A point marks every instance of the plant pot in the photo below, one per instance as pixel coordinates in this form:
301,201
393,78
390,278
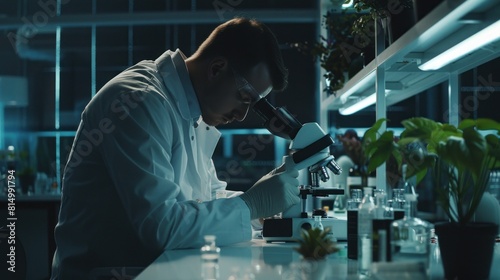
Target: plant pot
313,269
466,250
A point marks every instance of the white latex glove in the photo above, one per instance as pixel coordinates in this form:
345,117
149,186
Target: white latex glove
273,193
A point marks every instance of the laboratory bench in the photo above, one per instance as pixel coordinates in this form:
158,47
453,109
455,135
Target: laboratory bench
258,259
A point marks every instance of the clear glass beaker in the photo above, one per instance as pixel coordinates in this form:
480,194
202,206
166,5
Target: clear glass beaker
411,237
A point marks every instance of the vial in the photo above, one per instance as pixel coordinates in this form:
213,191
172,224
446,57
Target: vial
317,223
210,259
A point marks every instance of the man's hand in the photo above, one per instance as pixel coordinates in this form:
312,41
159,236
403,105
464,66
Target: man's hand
273,193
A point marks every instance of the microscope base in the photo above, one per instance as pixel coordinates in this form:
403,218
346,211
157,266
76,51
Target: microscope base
289,229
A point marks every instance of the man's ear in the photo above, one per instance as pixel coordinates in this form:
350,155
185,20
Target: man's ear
217,66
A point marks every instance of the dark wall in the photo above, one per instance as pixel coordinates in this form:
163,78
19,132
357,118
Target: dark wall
118,47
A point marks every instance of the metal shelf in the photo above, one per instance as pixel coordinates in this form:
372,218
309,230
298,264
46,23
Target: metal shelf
449,23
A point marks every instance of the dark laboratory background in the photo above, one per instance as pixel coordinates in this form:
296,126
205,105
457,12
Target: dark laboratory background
63,69
121,43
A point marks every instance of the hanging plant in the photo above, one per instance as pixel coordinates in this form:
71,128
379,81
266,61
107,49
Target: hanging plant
376,9
334,50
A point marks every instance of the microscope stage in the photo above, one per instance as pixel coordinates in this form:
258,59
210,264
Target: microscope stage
289,229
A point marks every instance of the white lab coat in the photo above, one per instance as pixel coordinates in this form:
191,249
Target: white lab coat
140,178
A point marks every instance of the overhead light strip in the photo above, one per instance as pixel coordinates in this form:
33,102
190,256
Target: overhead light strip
360,104
482,38
365,81
363,103
348,4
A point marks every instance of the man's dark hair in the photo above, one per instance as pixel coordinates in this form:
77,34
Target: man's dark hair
245,43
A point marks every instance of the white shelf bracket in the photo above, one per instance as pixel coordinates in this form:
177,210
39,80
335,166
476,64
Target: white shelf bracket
453,99
380,104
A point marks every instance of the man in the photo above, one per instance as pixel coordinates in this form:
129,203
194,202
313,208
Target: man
140,179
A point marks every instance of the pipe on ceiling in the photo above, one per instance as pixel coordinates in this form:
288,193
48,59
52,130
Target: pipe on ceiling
41,22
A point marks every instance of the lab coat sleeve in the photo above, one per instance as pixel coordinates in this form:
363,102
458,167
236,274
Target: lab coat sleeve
218,185
137,154
215,183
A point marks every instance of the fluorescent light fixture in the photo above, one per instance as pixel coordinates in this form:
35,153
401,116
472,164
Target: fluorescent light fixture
474,42
347,4
363,103
359,85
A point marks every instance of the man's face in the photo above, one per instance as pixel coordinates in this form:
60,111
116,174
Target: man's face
229,95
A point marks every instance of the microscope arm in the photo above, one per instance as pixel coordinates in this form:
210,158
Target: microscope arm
311,145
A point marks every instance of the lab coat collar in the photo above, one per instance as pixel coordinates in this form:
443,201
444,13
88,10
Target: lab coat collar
173,63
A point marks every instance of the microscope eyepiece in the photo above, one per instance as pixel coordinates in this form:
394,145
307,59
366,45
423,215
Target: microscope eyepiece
277,119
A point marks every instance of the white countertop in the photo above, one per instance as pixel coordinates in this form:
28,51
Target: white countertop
257,259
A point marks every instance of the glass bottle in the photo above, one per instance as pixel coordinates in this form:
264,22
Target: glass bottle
382,210
210,258
398,203
411,236
352,224
376,193
317,222
365,220
383,218
353,178
407,185
339,203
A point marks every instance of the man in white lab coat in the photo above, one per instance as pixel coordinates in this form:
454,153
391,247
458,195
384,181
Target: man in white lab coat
140,178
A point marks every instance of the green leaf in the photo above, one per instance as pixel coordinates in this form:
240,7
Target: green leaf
408,140
451,129
380,150
371,133
467,152
419,127
385,139
420,175
442,134
466,123
481,124
419,169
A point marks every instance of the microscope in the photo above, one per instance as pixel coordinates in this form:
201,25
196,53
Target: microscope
310,147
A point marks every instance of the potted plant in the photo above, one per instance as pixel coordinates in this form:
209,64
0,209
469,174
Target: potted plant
355,148
314,246
462,158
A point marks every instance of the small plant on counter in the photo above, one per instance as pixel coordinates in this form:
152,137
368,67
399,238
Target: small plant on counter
316,244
